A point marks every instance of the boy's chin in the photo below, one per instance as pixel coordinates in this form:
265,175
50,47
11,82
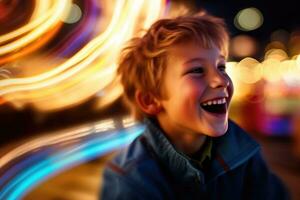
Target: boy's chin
219,130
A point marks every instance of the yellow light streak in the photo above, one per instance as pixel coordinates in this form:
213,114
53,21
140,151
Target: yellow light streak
81,55
109,94
153,12
40,9
40,15
111,42
92,68
41,41
58,10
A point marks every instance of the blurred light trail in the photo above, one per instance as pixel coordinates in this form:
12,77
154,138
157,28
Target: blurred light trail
4,73
39,15
51,159
61,137
92,68
33,31
8,172
81,33
40,41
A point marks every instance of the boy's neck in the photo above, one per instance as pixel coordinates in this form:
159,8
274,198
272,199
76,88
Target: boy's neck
187,142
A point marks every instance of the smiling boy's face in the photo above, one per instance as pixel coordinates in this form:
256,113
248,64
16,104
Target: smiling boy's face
197,90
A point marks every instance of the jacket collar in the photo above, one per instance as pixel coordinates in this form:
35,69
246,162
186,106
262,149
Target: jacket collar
232,149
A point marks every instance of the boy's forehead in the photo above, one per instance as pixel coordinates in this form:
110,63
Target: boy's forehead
193,52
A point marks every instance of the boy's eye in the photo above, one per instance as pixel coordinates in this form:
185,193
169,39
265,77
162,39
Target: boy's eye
222,68
196,70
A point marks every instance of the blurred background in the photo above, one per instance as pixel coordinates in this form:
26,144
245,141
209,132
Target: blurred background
61,110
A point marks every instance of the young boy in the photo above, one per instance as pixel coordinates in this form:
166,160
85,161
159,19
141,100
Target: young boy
175,79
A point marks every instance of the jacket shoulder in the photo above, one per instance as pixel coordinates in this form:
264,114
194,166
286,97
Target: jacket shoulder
269,186
134,167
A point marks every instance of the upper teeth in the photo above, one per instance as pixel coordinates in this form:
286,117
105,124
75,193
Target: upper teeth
214,102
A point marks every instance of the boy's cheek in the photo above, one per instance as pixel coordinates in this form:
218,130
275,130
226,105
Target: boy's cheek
230,88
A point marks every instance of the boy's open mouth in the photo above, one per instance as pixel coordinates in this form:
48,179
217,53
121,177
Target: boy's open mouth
217,106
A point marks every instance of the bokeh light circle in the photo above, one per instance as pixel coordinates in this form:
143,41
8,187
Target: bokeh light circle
248,19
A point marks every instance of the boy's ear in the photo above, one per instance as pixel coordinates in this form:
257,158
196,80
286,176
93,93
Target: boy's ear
148,103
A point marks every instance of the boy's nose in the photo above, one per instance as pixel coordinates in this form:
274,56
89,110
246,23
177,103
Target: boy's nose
218,80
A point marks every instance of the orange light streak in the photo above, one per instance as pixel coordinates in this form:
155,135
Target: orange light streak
92,68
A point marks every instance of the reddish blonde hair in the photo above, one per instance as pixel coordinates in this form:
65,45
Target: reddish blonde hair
143,62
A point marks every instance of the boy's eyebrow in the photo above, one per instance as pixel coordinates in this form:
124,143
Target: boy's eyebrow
198,59
194,60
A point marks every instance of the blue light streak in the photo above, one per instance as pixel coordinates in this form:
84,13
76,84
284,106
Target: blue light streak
90,149
25,162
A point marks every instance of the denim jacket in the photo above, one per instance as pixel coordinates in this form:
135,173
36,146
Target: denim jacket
151,168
